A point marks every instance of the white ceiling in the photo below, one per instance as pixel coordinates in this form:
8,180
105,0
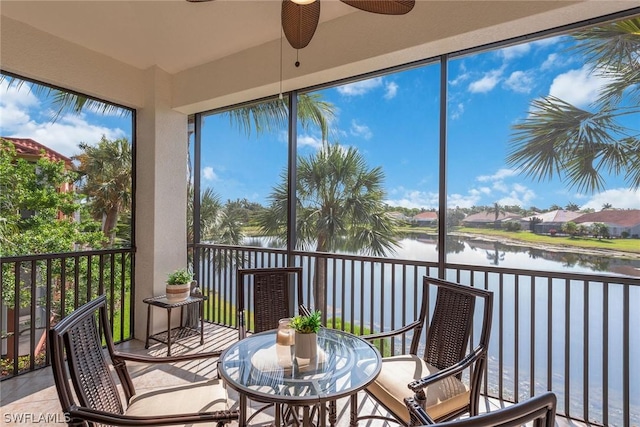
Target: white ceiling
172,34
224,52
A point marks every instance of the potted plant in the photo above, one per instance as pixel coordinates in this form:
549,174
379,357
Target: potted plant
306,331
179,285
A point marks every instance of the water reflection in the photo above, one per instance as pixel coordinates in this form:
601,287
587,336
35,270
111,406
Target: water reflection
474,251
477,251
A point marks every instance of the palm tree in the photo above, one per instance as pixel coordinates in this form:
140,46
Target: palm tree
215,224
106,180
572,207
606,206
497,210
340,206
558,138
571,228
273,114
63,102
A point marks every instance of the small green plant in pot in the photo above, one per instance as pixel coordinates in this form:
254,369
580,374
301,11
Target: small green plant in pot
179,285
307,327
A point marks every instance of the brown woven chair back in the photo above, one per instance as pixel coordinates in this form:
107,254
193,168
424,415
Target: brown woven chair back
76,339
449,333
268,294
450,327
539,411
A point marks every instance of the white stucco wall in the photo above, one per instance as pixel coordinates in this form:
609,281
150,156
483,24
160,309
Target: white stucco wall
161,194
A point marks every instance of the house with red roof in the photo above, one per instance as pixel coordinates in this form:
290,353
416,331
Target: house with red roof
553,220
425,219
618,221
27,148
30,150
488,219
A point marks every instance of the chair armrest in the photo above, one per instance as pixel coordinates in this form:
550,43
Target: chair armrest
108,418
303,310
417,415
417,385
121,356
381,335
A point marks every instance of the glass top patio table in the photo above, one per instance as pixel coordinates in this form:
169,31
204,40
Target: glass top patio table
258,368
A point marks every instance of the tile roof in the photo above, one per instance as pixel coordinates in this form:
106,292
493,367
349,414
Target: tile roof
620,217
559,216
428,216
28,148
486,216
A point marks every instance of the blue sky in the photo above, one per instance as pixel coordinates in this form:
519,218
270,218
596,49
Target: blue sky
393,120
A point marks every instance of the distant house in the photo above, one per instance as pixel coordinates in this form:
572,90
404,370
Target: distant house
28,149
617,221
32,151
399,216
487,218
426,219
553,220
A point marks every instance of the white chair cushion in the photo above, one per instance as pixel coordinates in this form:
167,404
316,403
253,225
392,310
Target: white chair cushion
203,396
390,387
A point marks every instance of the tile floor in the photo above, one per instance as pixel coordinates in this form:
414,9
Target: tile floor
33,396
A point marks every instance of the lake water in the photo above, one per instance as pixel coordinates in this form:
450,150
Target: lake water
474,251
584,340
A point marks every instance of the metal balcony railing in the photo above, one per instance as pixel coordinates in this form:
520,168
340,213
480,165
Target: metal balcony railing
574,334
38,290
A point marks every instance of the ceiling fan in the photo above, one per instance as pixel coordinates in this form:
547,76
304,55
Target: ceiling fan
300,17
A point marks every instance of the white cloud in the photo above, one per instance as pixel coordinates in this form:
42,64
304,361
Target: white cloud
457,110
62,136
578,87
309,141
500,186
620,198
487,82
17,95
499,175
547,41
360,130
391,90
519,195
519,81
550,62
208,174
360,88
462,77
506,193
462,201
408,198
516,51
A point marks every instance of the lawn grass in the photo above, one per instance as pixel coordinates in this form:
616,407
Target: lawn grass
621,245
118,318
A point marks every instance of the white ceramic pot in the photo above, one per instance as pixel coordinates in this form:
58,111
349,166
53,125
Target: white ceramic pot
306,346
177,293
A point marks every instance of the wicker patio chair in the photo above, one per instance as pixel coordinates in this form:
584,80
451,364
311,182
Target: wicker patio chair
81,371
539,410
436,378
269,297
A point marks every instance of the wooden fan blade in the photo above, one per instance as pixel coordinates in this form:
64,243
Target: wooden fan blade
198,1
299,22
384,7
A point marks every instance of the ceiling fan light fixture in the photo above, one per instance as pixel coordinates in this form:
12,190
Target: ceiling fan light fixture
303,1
